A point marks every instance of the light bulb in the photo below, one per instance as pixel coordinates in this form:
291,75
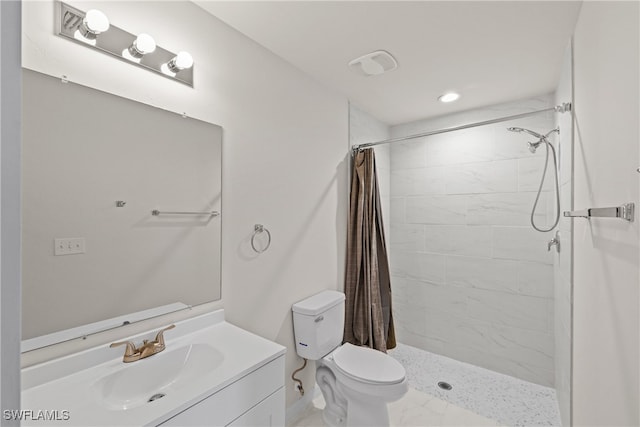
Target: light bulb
93,23
96,21
180,62
142,45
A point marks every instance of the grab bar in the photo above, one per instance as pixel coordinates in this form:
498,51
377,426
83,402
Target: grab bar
156,212
626,212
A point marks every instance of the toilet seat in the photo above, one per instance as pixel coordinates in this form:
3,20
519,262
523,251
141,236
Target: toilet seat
369,366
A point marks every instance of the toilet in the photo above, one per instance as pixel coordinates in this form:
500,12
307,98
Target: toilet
356,382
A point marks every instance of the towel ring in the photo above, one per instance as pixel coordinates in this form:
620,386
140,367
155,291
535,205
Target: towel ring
259,229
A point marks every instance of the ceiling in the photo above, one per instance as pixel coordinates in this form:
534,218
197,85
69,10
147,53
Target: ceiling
488,51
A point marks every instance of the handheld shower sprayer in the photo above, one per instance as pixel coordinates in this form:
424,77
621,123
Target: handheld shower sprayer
533,146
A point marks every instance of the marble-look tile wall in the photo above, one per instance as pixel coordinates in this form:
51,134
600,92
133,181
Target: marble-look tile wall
471,278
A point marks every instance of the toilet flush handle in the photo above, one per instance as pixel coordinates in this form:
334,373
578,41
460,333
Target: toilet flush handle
319,319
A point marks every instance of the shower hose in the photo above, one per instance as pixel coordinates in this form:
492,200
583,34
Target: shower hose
547,145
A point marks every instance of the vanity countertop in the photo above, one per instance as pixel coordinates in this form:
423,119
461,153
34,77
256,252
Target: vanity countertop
78,389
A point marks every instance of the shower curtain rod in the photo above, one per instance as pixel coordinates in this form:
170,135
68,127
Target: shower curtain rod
563,108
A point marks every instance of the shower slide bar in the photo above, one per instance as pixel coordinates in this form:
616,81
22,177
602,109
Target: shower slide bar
156,212
562,108
626,212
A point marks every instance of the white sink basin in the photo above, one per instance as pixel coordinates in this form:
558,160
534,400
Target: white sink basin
204,356
151,379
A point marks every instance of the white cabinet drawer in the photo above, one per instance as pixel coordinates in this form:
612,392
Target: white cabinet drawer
235,399
268,413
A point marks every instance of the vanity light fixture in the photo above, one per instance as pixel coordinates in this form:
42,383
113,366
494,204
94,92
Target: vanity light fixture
142,45
449,97
93,30
93,23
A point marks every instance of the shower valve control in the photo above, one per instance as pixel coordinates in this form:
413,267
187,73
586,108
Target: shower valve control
554,242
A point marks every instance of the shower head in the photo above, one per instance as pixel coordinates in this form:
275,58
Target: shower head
530,132
533,146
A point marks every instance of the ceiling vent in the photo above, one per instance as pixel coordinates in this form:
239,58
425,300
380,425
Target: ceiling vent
374,63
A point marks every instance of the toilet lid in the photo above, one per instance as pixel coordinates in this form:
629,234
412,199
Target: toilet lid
366,364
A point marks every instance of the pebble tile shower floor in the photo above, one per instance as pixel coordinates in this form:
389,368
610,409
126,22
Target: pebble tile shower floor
508,400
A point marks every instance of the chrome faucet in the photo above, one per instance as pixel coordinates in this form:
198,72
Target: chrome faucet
148,348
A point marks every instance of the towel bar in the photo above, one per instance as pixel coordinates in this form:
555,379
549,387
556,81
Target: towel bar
626,212
156,212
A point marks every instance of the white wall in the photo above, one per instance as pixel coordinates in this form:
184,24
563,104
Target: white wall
364,128
562,262
10,77
606,282
285,144
472,279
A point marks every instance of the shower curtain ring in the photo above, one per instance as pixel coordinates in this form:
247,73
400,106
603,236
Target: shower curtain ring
257,230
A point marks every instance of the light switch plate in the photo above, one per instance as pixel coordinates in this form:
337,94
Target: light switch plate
69,246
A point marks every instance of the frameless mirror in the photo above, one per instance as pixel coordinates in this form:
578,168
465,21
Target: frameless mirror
95,166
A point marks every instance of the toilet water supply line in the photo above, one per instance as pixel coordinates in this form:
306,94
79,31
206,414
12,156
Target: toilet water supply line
293,377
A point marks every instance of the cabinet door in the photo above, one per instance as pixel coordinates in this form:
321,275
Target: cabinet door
233,401
268,413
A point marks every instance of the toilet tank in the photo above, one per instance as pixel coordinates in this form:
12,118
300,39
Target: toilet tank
318,324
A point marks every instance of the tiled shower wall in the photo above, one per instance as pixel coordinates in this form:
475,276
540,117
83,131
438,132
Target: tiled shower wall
471,279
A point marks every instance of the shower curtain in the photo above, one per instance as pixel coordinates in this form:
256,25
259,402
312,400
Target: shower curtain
368,317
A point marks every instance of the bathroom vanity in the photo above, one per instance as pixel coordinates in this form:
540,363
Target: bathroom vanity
211,373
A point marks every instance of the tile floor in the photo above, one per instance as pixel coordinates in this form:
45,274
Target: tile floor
479,397
414,409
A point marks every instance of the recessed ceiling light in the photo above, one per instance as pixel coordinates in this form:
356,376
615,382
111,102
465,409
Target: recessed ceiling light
448,97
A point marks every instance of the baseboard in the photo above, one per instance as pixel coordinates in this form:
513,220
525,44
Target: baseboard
296,411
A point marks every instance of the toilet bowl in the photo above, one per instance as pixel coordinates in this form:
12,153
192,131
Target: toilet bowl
357,382
366,381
